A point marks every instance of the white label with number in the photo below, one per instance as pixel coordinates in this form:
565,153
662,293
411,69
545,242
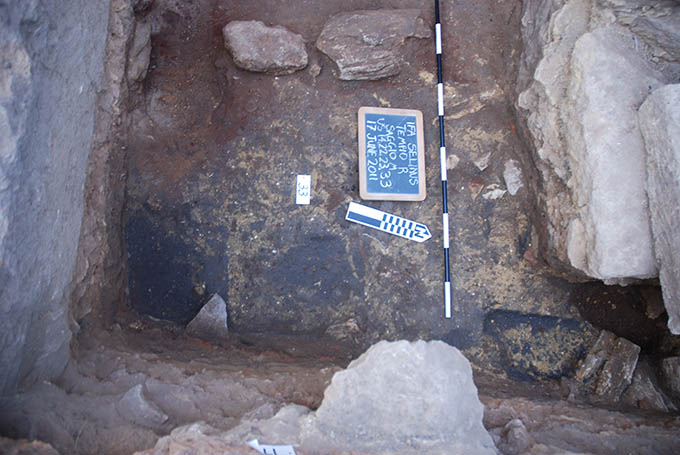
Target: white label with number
303,193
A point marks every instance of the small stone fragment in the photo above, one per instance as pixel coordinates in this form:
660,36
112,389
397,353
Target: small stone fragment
530,256
138,410
653,301
608,367
262,49
315,70
670,370
452,161
211,322
513,177
515,438
140,53
493,192
365,45
482,162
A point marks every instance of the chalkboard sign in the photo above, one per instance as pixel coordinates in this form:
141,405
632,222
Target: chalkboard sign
391,154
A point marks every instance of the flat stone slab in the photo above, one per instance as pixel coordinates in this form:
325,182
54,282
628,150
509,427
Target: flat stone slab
365,45
262,49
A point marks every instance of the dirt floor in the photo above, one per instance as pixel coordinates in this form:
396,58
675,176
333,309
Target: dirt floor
214,152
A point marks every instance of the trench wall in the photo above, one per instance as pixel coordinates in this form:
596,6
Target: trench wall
52,54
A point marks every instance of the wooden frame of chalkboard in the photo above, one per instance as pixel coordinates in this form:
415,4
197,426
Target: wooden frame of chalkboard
391,154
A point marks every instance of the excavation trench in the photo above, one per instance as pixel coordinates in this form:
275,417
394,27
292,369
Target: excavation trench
213,153
197,197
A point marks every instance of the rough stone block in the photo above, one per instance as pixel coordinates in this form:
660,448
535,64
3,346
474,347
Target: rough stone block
400,395
610,238
660,125
257,47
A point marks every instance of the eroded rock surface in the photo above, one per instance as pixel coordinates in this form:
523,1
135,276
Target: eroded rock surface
660,124
365,45
257,47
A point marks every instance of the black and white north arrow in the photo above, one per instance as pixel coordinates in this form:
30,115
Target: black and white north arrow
387,222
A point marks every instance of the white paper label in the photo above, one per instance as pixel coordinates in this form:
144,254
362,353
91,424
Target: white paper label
270,449
303,192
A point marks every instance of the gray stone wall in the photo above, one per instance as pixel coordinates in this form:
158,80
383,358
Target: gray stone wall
586,68
52,61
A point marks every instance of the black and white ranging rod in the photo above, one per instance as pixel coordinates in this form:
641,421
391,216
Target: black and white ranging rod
442,159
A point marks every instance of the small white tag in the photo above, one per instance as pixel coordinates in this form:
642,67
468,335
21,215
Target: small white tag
269,449
303,192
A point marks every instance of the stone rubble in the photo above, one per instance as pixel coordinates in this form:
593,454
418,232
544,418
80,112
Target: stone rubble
366,45
210,323
559,427
659,118
398,397
259,48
